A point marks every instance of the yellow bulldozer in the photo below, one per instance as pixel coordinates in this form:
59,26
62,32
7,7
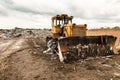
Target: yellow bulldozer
71,42
62,26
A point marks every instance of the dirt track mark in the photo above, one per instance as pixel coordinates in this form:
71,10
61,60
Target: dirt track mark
11,46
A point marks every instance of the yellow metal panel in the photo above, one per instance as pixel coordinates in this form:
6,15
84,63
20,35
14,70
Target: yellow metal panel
56,30
75,30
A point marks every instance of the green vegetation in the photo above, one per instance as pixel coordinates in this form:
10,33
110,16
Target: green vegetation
16,28
1,29
116,27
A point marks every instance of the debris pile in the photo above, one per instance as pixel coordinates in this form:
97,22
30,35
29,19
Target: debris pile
23,33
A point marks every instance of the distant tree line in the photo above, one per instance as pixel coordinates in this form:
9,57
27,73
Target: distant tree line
116,27
16,28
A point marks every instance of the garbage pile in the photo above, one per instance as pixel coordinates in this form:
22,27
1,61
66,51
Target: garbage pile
23,33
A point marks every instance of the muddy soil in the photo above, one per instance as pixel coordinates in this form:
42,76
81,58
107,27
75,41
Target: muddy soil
23,59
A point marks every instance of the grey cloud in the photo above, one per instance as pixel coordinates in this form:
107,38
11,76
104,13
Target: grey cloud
8,1
105,17
117,1
73,9
9,4
94,13
28,10
77,12
2,13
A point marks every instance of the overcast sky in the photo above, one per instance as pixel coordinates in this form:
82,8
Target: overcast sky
38,13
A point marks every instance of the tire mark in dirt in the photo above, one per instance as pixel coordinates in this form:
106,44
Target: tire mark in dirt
12,47
4,45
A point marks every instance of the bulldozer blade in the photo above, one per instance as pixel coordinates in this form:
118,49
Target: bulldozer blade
64,44
67,42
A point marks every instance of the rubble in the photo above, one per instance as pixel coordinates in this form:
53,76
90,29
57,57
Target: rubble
24,33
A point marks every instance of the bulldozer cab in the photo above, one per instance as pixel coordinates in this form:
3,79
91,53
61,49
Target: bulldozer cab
62,26
58,22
